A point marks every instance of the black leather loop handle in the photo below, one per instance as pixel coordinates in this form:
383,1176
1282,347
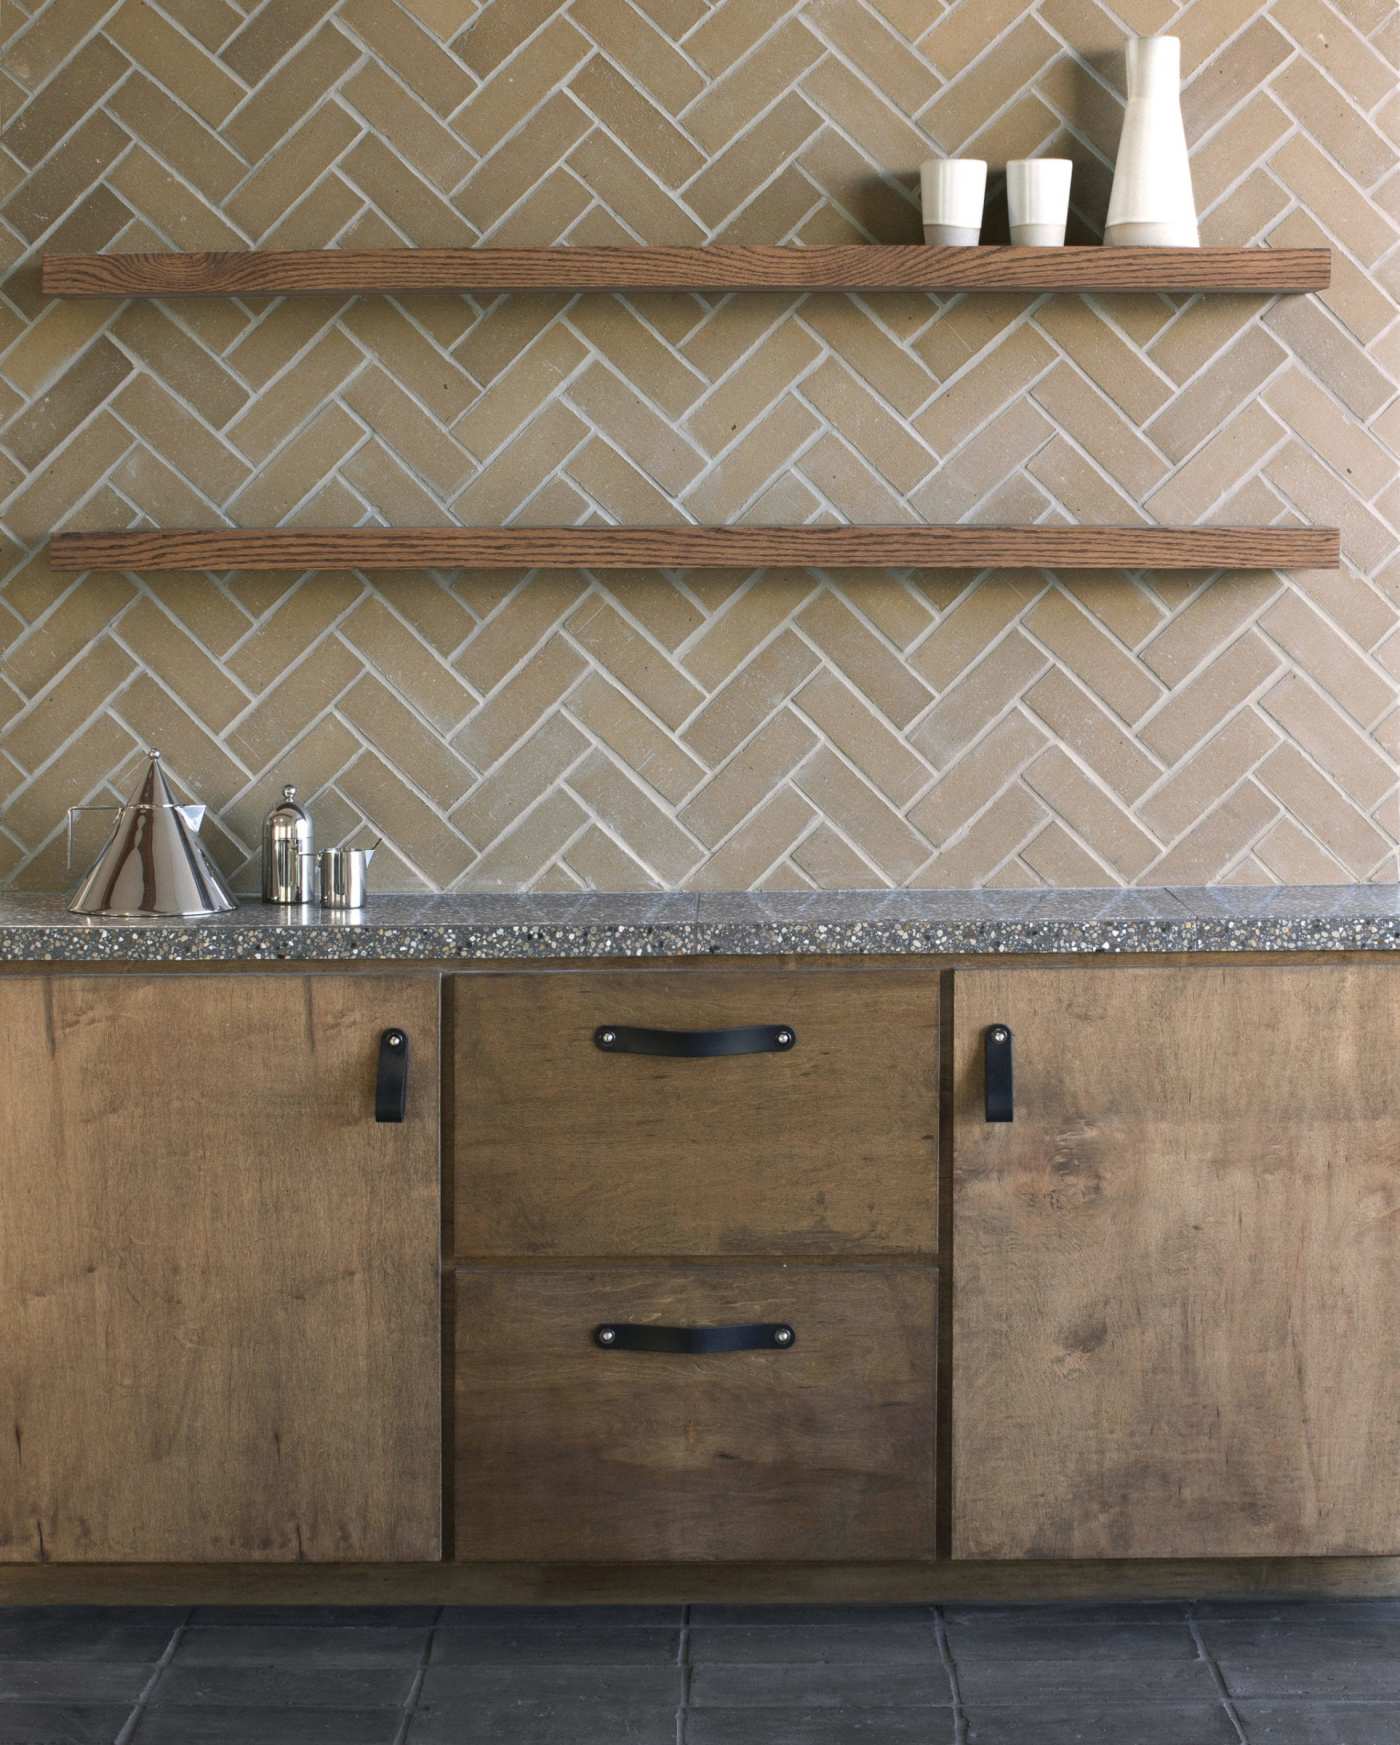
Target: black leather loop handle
391,1082
1001,1099
695,1044
695,1341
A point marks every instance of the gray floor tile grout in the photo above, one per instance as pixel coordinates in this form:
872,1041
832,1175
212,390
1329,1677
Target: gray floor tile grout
683,1660
1217,1678
415,1689
950,1667
133,1720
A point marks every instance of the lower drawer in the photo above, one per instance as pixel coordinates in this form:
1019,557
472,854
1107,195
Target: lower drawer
819,1448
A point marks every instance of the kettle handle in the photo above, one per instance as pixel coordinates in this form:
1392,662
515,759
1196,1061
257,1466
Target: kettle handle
73,812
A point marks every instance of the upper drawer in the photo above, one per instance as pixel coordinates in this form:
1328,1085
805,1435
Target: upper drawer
828,1146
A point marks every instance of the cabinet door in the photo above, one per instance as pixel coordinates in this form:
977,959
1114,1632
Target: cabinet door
825,1146
219,1300
1177,1269
816,1445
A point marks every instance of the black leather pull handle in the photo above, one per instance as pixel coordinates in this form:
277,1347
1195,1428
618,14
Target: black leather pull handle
1001,1102
695,1044
695,1341
391,1083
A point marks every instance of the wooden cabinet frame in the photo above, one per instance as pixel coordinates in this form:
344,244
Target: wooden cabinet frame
943,1579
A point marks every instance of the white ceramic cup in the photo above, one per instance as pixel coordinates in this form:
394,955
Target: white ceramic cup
954,191
1037,194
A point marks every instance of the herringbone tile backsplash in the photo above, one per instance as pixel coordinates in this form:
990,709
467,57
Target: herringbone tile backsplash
700,730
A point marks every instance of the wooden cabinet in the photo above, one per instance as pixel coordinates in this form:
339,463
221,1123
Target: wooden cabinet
219,1275
796,1184
1174,1274
819,1450
1177,1270
826,1147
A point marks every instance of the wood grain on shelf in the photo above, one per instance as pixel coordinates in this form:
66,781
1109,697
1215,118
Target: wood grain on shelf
628,548
848,267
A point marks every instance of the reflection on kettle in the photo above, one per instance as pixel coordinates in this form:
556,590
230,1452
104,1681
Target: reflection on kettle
153,863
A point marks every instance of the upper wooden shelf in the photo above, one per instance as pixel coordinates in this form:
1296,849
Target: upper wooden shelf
684,547
310,272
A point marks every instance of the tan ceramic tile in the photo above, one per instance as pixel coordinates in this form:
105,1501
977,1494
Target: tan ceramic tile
1094,815
732,102
747,858
498,104
644,54
998,833
601,863
393,810
1141,702
1199,707
1234,376
1201,780
626,809
977,777
1086,729
644,670
518,781
1318,727
1296,783
611,716
755,769
1207,850
406,741
31,738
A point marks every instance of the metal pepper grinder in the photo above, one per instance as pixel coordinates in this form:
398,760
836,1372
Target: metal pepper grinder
288,853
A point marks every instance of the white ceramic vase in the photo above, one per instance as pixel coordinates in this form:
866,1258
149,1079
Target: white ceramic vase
1152,204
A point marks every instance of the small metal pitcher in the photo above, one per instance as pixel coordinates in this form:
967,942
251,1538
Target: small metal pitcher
345,876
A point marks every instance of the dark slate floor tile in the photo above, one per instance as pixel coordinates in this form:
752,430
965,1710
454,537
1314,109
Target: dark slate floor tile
1371,1677
1286,1639
769,1726
1037,1639
73,1681
1262,1658
551,1617
1096,1612
1048,1681
912,1642
560,1645
218,1726
231,1644
1125,1723
1299,1611
82,1639
303,1687
812,1617
543,1723
293,1617
635,1686
1320,1723
60,1724
822,1684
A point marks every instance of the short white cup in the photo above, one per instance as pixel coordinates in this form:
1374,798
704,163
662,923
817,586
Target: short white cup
954,192
1037,194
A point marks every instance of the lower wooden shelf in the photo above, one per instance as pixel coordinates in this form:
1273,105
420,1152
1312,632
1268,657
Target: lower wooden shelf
646,548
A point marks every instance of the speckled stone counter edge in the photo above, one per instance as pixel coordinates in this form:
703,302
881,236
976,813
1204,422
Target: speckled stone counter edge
503,927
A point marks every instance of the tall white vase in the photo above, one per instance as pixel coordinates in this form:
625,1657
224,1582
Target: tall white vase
1152,205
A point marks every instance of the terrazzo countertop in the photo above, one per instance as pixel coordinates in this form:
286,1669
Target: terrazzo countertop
492,925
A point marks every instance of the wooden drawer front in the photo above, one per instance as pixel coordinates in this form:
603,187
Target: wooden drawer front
570,1453
827,1148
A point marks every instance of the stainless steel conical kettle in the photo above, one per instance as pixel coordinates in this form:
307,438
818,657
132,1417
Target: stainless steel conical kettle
153,862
